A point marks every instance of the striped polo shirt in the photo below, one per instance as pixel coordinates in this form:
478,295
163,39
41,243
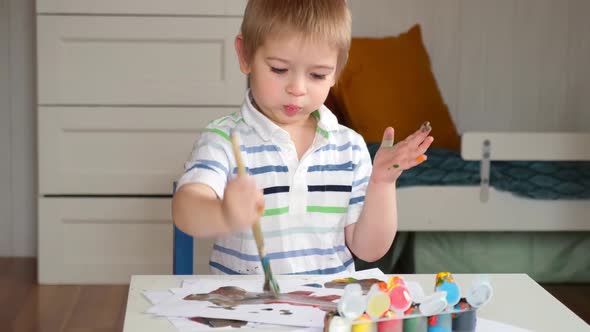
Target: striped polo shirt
308,202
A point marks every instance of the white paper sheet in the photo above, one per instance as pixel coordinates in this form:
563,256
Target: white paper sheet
276,313
184,324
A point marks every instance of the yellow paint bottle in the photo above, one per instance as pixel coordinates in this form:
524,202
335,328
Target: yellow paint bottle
364,324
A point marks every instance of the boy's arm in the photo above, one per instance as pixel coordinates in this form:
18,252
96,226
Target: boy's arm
197,211
372,235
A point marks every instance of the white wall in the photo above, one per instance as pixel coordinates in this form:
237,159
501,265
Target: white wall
516,65
578,95
5,126
500,64
17,129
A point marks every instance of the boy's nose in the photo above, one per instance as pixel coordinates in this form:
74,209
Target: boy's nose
296,87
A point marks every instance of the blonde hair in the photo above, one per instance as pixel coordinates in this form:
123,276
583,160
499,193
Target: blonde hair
319,20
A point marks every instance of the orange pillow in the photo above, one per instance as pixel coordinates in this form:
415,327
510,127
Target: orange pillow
389,82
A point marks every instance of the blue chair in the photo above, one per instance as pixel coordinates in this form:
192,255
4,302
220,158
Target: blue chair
183,250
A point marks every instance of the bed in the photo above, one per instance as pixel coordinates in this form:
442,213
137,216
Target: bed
485,201
509,202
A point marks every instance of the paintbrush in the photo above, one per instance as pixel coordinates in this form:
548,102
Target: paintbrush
270,283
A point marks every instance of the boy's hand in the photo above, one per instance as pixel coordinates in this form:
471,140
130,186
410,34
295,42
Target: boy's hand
243,202
391,160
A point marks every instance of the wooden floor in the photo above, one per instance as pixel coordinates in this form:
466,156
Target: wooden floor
26,306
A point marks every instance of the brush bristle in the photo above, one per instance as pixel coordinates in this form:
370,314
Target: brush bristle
270,284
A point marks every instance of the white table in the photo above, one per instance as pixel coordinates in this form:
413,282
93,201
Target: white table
518,300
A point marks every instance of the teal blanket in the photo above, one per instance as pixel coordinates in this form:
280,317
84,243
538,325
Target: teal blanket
539,180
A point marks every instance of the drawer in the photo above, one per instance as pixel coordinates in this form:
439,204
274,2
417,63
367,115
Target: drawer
106,240
154,7
115,60
103,240
117,150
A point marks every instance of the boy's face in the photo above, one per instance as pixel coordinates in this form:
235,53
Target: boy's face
290,77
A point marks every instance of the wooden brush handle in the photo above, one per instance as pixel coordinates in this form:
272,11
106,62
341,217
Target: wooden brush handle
241,172
259,239
238,155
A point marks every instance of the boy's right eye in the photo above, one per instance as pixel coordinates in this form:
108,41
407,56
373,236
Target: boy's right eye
278,70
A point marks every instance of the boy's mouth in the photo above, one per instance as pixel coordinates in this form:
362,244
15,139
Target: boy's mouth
291,109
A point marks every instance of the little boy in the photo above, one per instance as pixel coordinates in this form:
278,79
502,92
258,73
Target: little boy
311,183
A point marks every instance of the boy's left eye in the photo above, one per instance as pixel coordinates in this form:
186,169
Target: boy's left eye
278,70
318,76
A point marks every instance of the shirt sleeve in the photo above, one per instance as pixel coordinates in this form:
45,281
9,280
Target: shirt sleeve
209,163
363,167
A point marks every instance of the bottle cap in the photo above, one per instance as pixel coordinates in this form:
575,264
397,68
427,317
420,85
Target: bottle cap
433,304
352,303
480,293
378,302
446,283
399,295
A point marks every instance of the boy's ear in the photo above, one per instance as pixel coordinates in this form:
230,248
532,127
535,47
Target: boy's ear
239,44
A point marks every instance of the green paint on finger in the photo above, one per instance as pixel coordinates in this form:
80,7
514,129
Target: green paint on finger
387,143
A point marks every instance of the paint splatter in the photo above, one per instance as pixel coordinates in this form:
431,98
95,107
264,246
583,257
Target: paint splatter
313,285
230,297
218,322
341,283
225,308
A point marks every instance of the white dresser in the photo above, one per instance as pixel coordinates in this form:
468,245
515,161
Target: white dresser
124,87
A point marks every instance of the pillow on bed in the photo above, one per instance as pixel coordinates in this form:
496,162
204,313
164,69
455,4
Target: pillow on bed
389,82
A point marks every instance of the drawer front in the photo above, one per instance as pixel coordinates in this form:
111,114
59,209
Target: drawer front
103,240
90,60
126,150
169,7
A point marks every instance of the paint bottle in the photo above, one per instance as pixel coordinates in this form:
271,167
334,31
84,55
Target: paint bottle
352,303
480,293
378,301
440,323
415,324
364,324
433,304
446,283
430,305
392,324
464,321
399,295
335,323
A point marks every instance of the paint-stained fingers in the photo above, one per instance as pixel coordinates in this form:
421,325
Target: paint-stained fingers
419,135
417,161
421,150
399,166
388,138
425,127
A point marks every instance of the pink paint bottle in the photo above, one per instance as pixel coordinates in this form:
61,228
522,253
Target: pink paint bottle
399,295
393,324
